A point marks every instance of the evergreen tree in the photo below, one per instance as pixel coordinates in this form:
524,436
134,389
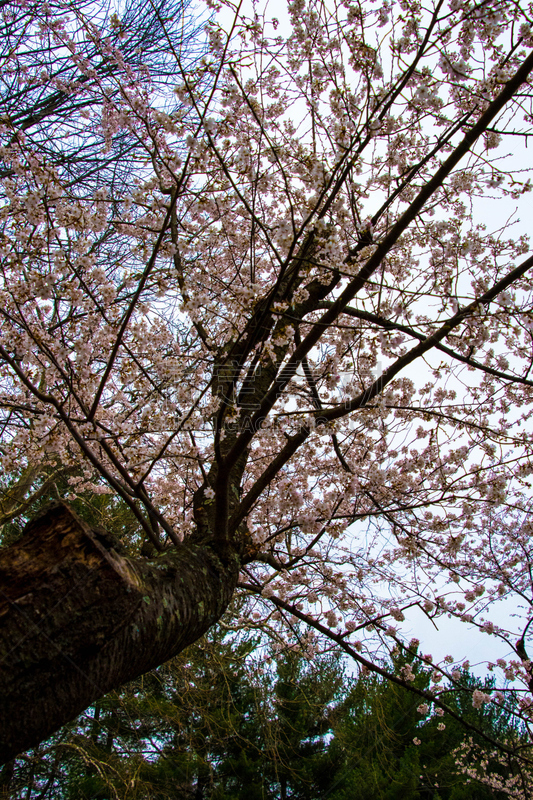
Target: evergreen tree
394,751
231,720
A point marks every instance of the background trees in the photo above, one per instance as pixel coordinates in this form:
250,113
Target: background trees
249,296
230,719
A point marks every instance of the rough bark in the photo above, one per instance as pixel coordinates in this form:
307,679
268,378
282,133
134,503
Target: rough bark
77,619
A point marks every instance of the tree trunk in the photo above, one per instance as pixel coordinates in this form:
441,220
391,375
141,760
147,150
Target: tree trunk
78,620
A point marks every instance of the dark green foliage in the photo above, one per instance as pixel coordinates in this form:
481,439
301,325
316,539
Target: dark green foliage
105,512
393,752
230,720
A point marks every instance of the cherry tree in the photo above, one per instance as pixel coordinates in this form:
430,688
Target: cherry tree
253,296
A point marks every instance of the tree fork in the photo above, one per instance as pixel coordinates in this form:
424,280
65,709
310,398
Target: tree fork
78,619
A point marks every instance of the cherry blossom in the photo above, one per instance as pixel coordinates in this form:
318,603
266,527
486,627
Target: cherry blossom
263,309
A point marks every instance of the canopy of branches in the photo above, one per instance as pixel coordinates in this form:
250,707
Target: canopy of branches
253,287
